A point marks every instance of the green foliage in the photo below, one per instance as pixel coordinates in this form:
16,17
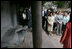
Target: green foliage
43,2
59,4
51,9
69,4
62,4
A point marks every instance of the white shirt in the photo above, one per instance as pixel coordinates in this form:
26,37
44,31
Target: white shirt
68,17
24,16
43,13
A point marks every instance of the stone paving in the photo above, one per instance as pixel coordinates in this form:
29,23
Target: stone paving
51,41
23,39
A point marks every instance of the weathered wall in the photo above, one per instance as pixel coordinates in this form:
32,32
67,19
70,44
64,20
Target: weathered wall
8,19
13,15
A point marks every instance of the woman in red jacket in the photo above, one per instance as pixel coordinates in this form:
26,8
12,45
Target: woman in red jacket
66,36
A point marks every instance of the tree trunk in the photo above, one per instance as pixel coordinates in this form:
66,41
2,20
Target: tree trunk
36,24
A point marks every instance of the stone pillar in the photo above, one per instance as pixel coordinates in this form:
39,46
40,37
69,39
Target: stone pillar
36,24
5,17
13,15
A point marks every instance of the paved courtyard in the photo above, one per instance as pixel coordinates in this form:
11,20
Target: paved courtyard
23,39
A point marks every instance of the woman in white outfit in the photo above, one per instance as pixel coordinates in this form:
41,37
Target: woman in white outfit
50,23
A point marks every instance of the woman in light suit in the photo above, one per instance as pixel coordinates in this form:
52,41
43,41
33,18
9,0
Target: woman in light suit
50,23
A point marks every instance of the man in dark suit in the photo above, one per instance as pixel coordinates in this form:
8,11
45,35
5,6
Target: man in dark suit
43,17
29,17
